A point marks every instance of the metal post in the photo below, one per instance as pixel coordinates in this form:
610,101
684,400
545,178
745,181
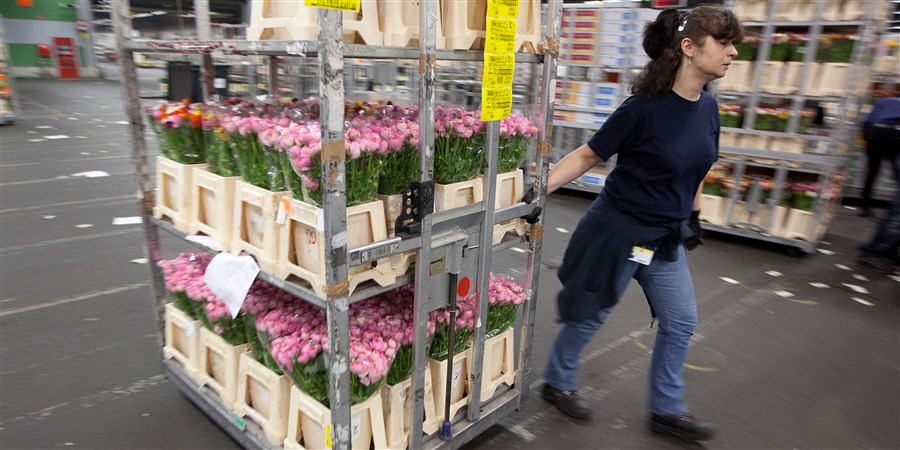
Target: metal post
273,76
142,177
427,57
764,48
207,72
536,233
331,86
811,48
482,278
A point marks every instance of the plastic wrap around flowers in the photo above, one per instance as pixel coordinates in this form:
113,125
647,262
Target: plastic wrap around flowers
516,135
179,129
504,298
458,145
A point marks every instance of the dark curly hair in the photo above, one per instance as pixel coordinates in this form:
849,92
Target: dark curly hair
662,42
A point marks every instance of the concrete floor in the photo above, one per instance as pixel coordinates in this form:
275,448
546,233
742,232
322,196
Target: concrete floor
79,353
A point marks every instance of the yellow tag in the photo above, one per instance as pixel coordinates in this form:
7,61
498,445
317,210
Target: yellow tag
327,429
343,5
499,69
641,255
496,103
501,35
507,9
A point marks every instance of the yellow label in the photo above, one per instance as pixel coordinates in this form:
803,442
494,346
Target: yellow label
496,103
343,5
501,35
499,69
507,9
327,428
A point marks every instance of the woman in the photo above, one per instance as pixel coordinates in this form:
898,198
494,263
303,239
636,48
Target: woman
666,137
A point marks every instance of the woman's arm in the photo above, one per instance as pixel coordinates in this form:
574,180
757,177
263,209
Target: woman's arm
572,166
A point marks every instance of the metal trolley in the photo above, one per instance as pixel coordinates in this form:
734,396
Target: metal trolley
455,242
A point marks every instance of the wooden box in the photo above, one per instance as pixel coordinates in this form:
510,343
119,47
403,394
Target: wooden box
499,365
219,365
263,397
458,386
182,340
510,190
309,423
302,247
454,195
292,20
212,211
255,229
173,191
397,406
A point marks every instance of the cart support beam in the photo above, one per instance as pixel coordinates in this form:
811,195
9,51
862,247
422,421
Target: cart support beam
535,245
427,57
142,177
331,85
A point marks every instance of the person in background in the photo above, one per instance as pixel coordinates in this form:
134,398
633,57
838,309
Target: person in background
666,136
882,133
882,143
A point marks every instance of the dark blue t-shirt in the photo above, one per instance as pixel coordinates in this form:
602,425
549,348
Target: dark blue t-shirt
665,147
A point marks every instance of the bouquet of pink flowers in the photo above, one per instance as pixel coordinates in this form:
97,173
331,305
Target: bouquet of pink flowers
399,323
178,127
504,298
805,193
516,133
458,145
181,276
401,163
219,151
465,328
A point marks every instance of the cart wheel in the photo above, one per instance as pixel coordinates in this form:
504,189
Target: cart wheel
793,252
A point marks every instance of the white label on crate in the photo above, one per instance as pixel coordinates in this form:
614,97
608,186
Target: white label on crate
457,373
281,216
355,426
229,277
220,83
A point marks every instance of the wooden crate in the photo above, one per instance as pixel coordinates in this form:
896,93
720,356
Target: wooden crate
510,190
218,365
787,145
713,208
738,77
752,10
778,221
309,423
263,397
292,20
255,230
182,343
173,192
833,79
454,195
800,224
302,249
458,387
397,406
464,24
399,20
213,206
794,10
499,364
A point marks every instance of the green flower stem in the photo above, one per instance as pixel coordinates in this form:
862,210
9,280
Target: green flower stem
184,304
400,169
439,343
511,153
499,318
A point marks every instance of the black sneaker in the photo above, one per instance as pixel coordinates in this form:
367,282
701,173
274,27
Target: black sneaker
879,263
567,402
682,425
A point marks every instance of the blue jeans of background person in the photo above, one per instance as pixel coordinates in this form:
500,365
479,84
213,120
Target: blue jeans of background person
887,238
669,289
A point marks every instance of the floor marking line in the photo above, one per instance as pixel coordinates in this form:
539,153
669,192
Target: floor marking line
111,200
84,237
77,298
65,177
13,165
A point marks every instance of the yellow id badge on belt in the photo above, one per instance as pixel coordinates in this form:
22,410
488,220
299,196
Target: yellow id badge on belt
641,255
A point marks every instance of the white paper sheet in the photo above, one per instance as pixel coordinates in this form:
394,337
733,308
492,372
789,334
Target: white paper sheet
229,277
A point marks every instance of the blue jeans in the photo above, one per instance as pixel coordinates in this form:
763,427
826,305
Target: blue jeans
670,291
887,238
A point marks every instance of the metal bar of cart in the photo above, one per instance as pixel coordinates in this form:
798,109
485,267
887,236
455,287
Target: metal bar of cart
337,305
143,179
811,48
536,231
307,48
428,20
764,48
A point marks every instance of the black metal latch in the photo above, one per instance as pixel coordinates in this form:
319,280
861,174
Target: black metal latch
418,201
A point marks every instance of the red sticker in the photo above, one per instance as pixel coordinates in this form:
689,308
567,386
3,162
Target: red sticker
462,288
